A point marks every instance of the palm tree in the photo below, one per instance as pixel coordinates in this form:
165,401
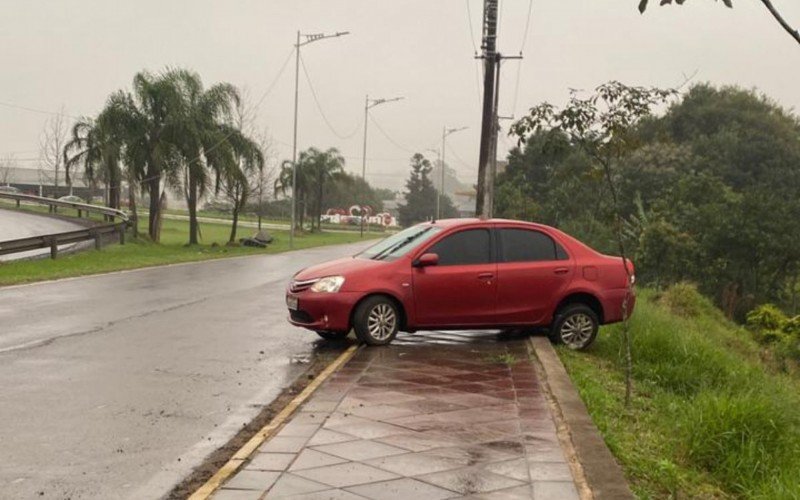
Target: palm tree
324,167
236,181
94,145
207,142
284,183
146,122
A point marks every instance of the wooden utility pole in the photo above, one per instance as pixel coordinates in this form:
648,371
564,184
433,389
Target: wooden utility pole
490,63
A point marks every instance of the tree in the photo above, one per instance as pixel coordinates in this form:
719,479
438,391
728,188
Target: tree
729,3
603,126
420,204
94,146
284,182
347,190
315,170
324,168
249,180
51,147
148,121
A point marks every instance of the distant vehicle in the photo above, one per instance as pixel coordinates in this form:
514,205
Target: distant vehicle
465,273
9,190
72,199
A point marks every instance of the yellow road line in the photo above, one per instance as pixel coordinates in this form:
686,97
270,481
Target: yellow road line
232,465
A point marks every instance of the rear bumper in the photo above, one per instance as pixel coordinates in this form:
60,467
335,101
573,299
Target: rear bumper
323,311
612,304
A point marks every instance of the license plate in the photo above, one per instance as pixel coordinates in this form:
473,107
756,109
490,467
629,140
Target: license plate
292,302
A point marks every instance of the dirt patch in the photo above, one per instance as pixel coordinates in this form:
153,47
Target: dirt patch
323,357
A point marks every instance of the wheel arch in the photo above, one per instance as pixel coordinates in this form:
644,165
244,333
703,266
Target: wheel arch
397,302
585,298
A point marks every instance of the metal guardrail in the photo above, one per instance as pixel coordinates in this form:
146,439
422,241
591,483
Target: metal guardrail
111,213
52,241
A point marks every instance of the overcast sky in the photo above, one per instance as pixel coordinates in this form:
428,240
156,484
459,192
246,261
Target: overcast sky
74,53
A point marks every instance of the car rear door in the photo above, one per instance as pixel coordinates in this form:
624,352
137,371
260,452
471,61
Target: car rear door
461,290
533,270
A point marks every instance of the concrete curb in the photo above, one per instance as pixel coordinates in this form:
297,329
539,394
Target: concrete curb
601,471
245,452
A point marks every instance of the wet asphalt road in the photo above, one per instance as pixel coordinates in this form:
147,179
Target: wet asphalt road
116,386
15,225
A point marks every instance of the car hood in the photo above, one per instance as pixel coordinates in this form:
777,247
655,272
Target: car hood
339,267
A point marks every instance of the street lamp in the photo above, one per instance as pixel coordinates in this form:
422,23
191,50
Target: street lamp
445,132
309,38
369,104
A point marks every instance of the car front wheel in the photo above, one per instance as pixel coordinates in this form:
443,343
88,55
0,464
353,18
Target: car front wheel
376,321
575,326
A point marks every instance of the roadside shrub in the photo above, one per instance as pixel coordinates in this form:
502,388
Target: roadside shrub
743,439
684,299
766,322
792,327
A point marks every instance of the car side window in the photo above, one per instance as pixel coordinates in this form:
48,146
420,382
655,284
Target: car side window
472,246
524,245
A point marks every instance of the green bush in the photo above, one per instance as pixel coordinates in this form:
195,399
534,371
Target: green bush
684,299
766,318
792,327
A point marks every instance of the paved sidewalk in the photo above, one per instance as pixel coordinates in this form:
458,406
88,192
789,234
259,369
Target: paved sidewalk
432,416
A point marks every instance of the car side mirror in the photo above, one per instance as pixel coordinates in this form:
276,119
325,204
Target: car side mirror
427,259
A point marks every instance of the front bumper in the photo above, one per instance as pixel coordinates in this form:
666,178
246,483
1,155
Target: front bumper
323,311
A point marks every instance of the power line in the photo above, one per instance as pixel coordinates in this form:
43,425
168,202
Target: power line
277,77
460,160
388,137
471,30
321,111
527,27
36,110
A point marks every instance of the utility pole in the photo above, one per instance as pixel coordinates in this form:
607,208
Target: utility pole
311,38
369,104
445,132
487,160
489,56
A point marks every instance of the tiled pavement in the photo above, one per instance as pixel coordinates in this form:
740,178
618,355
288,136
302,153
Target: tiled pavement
432,416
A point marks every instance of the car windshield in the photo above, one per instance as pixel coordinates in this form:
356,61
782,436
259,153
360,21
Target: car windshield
399,244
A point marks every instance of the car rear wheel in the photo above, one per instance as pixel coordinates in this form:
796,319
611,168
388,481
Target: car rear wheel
575,326
332,335
376,321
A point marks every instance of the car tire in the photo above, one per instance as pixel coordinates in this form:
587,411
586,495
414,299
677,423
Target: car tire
575,326
333,336
376,321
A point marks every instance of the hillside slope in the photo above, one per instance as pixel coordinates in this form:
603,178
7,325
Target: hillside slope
709,419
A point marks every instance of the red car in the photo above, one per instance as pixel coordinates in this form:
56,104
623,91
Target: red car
465,274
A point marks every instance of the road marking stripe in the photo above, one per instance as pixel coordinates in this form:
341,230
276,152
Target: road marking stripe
232,465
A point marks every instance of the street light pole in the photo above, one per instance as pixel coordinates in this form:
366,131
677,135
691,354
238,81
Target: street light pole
314,37
369,104
445,132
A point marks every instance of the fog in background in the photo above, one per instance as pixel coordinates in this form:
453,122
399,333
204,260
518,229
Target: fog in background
74,53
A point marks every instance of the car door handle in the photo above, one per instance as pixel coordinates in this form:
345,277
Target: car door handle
483,276
561,270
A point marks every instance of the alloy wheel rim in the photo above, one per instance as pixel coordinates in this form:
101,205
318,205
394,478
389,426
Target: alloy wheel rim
576,331
381,321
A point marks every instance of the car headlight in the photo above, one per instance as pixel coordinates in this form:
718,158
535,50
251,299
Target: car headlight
329,284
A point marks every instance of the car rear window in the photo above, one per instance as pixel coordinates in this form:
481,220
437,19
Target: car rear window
525,245
471,246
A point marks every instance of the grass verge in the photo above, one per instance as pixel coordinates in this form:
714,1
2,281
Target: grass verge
709,419
139,253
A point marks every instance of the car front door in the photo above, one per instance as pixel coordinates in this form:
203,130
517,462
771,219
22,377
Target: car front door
532,271
461,289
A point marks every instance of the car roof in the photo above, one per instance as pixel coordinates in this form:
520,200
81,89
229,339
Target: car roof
475,220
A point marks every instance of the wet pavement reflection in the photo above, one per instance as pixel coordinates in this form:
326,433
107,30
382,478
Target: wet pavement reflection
434,415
